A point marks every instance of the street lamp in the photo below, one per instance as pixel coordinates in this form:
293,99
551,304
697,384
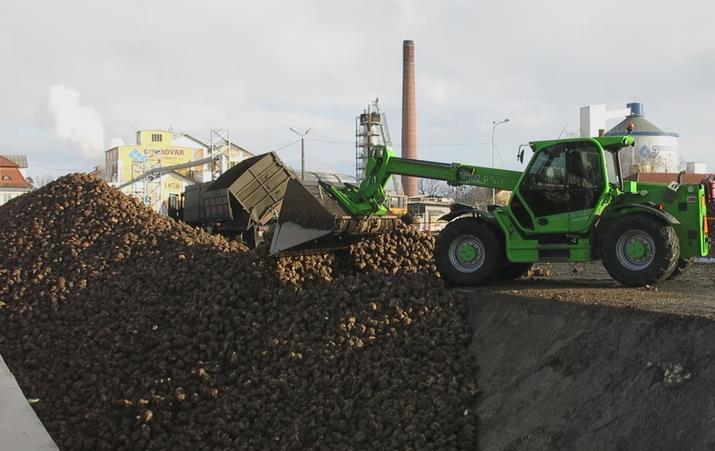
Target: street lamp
302,149
494,125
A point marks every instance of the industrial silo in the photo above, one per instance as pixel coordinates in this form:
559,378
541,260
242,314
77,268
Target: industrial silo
655,150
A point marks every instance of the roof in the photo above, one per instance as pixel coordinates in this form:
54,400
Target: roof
7,163
236,146
10,176
641,126
220,146
97,172
667,177
19,160
192,138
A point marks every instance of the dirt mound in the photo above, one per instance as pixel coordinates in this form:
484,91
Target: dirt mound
134,331
557,375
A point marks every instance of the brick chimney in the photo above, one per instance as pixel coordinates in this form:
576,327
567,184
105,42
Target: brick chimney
409,128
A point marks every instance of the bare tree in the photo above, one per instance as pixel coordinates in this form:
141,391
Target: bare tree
463,194
429,187
656,163
42,180
476,196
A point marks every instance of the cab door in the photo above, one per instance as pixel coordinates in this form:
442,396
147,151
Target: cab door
586,182
541,202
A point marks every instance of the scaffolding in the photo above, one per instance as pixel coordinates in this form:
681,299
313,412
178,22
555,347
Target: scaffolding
152,183
138,188
219,143
371,130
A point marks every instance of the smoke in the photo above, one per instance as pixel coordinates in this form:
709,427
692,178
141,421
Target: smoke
79,124
116,142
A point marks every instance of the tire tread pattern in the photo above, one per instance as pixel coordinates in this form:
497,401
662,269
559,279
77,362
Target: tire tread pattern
493,245
666,243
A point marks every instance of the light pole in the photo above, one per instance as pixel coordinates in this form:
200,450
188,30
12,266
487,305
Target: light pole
494,125
302,149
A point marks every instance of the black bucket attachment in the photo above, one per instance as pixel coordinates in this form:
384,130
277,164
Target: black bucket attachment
312,218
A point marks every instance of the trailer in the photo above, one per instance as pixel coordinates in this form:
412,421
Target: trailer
241,203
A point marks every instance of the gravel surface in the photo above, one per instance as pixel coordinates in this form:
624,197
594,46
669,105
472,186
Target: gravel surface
693,293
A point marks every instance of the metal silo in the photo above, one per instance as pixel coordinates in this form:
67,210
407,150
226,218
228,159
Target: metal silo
655,150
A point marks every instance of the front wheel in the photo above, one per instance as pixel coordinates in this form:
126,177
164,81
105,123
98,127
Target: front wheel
639,250
469,252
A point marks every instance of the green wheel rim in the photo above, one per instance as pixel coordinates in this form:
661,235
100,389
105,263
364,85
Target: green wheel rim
467,253
635,250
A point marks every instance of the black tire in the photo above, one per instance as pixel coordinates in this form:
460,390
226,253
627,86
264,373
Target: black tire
639,250
483,246
681,267
513,271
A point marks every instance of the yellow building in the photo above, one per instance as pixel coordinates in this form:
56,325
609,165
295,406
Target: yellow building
153,149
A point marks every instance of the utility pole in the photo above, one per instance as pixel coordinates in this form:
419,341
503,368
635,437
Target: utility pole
302,149
494,125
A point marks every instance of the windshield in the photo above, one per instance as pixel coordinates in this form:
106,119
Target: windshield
612,168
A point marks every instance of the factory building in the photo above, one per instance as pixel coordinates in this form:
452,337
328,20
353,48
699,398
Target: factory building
153,149
656,150
12,179
138,169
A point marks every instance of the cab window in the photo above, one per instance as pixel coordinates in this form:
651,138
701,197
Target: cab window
544,185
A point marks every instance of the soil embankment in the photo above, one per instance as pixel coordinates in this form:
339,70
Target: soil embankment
560,375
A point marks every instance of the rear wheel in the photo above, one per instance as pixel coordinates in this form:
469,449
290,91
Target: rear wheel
639,250
682,267
469,252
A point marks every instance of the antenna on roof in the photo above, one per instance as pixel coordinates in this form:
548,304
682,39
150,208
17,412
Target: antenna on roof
563,130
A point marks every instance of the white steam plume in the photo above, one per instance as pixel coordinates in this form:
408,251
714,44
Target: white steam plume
79,124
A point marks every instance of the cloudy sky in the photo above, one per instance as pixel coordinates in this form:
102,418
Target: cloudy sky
258,68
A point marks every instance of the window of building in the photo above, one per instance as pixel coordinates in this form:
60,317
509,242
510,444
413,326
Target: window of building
6,177
156,137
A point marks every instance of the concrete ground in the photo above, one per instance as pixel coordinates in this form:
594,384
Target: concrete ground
20,429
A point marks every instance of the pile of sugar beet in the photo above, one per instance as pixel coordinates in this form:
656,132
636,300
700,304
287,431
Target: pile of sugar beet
128,330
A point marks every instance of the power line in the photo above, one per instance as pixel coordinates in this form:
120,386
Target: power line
33,165
284,146
480,143
329,141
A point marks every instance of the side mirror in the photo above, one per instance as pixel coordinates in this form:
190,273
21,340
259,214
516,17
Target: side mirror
520,153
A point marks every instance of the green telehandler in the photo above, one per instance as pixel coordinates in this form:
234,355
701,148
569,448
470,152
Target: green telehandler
570,204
